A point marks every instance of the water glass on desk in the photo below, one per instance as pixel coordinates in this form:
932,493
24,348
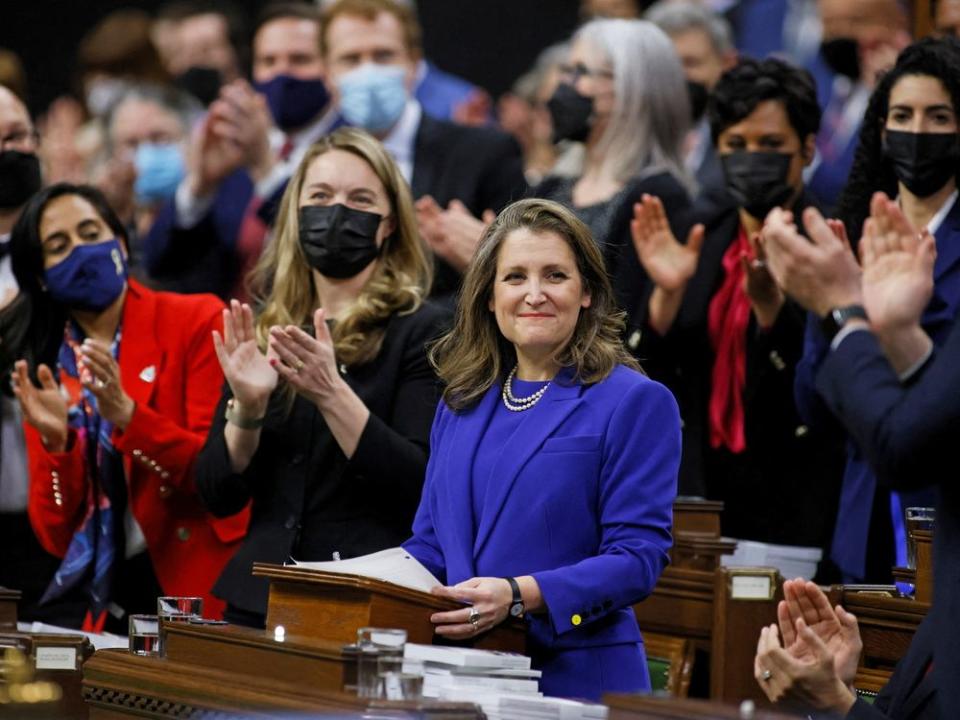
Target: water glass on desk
918,518
176,609
373,644
144,634
400,679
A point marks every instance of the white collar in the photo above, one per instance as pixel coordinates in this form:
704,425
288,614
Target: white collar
937,220
308,134
399,142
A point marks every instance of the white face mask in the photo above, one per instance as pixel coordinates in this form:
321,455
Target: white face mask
103,93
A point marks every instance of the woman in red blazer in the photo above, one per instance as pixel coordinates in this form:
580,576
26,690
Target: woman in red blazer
117,384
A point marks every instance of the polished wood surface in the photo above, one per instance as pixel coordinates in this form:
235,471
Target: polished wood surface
77,647
644,707
331,606
8,608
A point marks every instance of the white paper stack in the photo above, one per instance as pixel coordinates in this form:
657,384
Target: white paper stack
514,706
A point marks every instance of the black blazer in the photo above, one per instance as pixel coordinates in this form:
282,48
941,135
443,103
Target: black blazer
309,501
481,167
785,487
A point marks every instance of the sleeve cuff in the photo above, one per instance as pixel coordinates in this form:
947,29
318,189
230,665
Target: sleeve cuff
915,368
189,209
844,334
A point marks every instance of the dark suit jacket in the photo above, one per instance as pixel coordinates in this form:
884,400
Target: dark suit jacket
764,485
908,433
309,500
866,513
910,693
481,167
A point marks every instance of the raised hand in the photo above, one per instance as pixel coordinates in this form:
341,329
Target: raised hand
246,369
43,407
668,263
242,118
307,363
897,267
835,627
102,378
766,297
211,157
454,233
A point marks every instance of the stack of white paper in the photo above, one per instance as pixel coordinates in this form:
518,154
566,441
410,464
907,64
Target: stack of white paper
449,669
394,565
514,706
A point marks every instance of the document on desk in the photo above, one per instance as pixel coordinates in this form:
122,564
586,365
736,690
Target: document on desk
394,565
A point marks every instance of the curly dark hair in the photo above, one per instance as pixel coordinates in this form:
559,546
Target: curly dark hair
751,82
871,171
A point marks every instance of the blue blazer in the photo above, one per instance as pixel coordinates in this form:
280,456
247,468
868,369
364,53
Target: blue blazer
581,499
849,547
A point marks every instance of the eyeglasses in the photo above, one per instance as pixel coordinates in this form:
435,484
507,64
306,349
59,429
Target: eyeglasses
22,139
572,73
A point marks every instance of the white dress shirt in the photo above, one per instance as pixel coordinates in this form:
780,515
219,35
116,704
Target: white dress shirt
401,141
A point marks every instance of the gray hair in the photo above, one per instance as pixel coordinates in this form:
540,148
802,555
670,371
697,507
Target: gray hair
679,16
651,113
528,85
184,106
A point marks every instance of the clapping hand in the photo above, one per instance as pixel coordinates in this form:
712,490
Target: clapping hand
821,273
309,364
454,233
668,263
43,407
897,267
836,628
246,369
766,297
102,378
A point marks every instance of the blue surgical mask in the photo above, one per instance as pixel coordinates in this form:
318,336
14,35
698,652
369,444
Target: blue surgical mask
160,168
373,96
90,278
293,102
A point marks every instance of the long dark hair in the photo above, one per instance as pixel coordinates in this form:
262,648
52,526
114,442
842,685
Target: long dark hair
871,171
31,326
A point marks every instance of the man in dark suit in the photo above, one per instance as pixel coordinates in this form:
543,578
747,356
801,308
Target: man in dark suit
897,395
370,51
242,155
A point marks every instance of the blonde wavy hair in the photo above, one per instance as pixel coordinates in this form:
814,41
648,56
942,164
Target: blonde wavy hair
475,355
282,282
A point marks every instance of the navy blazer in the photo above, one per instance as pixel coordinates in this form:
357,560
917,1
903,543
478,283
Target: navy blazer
909,435
582,500
857,502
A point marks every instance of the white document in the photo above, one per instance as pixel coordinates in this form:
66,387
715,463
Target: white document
394,565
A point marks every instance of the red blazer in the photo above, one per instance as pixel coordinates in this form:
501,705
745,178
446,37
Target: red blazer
169,367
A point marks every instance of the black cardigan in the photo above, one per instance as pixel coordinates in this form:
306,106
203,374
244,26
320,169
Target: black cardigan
309,501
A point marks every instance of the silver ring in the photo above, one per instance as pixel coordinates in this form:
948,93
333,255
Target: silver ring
101,384
474,617
766,675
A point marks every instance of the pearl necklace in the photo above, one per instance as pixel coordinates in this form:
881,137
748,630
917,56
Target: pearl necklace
516,404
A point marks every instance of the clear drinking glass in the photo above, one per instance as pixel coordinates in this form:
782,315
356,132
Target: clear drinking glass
144,634
376,644
176,609
400,679
918,518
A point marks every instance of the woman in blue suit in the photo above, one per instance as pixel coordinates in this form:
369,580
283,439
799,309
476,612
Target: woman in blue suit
553,462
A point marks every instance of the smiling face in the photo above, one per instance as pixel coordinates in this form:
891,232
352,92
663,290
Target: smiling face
538,293
67,222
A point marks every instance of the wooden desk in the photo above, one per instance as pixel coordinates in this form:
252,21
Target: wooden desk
644,707
8,609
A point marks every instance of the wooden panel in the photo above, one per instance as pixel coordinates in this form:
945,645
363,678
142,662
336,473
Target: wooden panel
678,652
8,609
697,516
645,707
332,606
72,706
887,626
681,604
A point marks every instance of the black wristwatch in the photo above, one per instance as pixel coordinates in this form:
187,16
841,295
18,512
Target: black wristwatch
516,605
837,317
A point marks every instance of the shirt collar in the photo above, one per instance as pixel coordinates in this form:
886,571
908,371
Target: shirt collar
937,220
400,140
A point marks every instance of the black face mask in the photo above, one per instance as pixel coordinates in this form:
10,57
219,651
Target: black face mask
339,241
842,55
924,162
758,180
570,112
201,82
19,177
699,95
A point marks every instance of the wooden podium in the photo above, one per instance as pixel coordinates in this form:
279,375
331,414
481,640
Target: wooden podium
331,606
214,669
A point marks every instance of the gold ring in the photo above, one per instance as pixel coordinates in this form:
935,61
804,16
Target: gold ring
299,366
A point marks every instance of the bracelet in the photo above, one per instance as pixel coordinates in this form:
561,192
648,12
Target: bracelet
244,423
